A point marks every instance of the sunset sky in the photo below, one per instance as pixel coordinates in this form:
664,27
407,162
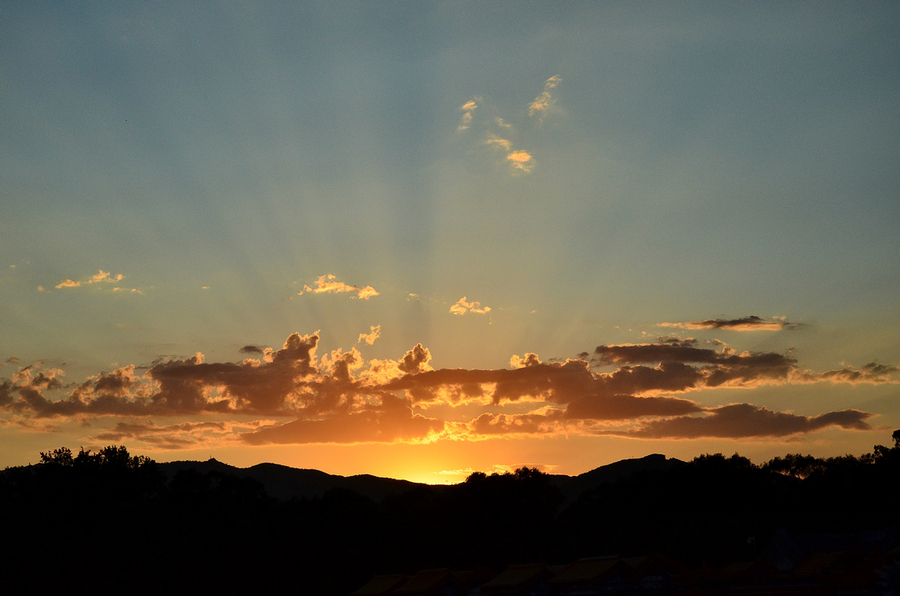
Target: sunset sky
421,239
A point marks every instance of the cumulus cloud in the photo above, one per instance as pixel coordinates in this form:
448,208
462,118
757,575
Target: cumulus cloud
461,307
293,395
329,284
416,360
530,359
750,323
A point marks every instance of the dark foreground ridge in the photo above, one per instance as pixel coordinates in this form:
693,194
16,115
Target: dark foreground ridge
113,523
283,482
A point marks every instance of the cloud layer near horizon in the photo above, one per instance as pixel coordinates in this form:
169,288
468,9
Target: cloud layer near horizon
293,395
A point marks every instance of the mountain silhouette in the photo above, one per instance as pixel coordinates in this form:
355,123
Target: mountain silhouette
572,486
208,527
284,482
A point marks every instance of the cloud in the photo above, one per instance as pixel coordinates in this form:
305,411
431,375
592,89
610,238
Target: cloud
416,360
519,161
100,277
461,307
623,407
721,368
185,435
869,373
291,394
497,133
530,359
370,338
740,421
544,102
466,120
545,424
175,387
328,284
393,420
751,323
496,142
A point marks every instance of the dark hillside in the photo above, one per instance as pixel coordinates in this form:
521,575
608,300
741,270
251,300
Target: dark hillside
572,486
283,482
110,523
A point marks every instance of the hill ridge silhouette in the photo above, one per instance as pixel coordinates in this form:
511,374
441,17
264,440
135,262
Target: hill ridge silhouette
285,482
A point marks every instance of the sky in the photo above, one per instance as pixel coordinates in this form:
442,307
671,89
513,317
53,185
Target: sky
418,240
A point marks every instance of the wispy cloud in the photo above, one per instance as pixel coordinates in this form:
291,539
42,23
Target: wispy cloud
498,133
100,277
329,284
521,161
468,109
545,101
295,396
461,307
738,421
185,435
369,338
751,323
518,160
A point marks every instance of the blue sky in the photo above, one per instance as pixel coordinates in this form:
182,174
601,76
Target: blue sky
569,176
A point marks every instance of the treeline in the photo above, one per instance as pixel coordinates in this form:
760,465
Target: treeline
111,523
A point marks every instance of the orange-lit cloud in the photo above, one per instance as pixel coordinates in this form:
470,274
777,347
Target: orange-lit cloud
328,284
461,307
295,396
530,359
369,338
466,120
100,277
498,134
544,102
498,143
393,420
521,161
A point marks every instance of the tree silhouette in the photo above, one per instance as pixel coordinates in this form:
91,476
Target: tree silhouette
212,531
58,457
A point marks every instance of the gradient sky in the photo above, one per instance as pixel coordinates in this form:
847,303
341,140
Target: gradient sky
421,239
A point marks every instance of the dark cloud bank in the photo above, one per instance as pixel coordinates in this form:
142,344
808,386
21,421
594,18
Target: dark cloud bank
634,390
